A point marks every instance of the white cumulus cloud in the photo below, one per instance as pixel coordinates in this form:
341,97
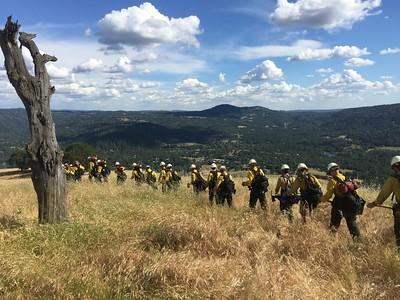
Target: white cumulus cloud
256,52
58,72
326,14
327,53
389,51
123,65
265,71
356,62
144,25
88,66
190,84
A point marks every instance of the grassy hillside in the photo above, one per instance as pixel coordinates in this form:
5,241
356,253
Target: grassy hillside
127,242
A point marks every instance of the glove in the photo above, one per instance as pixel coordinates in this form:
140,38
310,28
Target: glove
188,185
244,183
234,191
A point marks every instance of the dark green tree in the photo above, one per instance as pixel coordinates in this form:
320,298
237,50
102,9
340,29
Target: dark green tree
20,159
78,151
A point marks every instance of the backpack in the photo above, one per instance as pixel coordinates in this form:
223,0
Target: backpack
343,187
352,201
105,171
227,185
312,189
175,177
213,180
200,182
150,178
260,182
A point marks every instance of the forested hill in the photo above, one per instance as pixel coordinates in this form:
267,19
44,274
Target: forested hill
360,139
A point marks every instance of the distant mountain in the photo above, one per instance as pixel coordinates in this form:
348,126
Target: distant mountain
361,139
223,110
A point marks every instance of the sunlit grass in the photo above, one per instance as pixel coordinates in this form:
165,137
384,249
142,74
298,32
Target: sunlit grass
133,242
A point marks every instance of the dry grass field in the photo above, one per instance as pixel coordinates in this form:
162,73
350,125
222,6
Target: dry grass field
128,242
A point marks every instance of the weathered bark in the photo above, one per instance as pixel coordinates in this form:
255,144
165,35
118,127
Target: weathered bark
48,176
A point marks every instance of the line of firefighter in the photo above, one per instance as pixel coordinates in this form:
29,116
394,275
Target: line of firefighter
99,171
304,189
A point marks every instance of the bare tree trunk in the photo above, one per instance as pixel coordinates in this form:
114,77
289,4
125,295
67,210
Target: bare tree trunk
48,174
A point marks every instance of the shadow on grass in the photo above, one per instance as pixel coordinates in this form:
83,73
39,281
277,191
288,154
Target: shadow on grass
10,222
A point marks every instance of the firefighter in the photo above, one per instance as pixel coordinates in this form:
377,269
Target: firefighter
67,170
137,174
211,183
392,186
105,171
225,187
344,203
79,171
120,171
98,175
257,183
173,179
283,185
151,177
310,190
197,180
92,161
162,177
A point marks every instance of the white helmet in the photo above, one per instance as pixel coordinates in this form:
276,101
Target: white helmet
99,161
285,167
193,166
162,164
169,166
302,166
395,160
222,168
134,165
213,166
331,166
252,162
117,163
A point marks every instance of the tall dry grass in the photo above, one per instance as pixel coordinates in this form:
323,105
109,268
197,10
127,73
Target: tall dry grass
127,242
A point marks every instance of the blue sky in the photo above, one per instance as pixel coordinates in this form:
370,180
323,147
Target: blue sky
187,54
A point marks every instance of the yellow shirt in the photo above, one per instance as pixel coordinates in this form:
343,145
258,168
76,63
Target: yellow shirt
72,170
137,174
195,175
221,178
300,184
392,185
169,175
120,170
211,176
330,189
283,183
162,177
99,169
251,175
151,175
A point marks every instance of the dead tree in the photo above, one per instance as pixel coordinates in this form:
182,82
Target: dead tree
48,176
